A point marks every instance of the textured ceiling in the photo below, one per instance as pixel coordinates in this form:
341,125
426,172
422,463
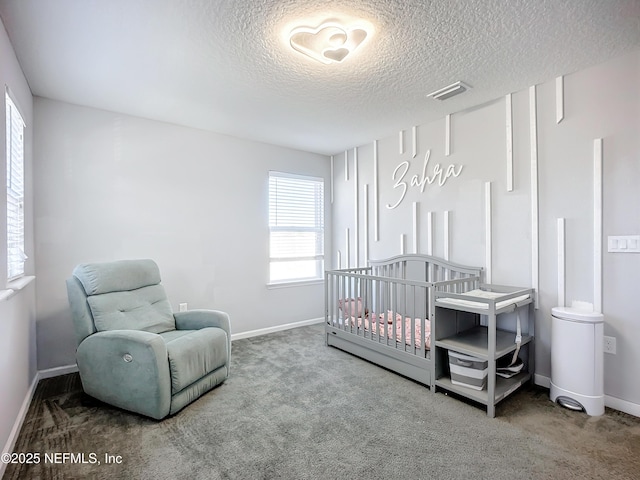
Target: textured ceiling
224,65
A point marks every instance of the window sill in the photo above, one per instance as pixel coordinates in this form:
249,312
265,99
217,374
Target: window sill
15,286
296,283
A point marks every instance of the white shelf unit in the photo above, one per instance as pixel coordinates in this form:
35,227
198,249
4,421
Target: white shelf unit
488,333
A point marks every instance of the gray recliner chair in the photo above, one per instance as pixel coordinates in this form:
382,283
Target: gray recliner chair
133,352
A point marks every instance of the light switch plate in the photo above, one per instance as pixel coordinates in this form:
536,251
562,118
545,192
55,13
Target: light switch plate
623,244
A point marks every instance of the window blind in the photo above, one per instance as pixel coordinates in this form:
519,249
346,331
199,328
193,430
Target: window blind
296,227
15,190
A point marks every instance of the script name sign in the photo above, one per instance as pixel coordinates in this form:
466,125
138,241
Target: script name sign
438,175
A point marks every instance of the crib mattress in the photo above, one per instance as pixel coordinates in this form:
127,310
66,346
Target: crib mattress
478,303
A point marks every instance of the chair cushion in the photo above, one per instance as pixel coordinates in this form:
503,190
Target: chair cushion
144,309
98,278
194,354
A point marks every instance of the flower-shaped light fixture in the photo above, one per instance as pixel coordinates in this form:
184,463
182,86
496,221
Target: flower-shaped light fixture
331,41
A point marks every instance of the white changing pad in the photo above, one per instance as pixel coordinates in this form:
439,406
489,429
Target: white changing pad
480,304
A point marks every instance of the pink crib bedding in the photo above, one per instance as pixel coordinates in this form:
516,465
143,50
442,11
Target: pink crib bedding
384,324
352,308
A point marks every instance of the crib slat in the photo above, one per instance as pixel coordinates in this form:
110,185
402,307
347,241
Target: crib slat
392,305
403,333
379,302
413,321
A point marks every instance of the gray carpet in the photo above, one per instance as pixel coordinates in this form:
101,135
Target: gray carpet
296,409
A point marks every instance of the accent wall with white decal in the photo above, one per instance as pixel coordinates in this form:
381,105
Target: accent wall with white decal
527,186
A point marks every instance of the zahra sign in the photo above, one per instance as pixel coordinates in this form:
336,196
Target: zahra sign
438,175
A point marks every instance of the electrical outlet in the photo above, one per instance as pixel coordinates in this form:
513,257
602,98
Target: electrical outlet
183,307
610,345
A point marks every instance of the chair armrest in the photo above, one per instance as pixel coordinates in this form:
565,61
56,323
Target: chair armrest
128,369
197,319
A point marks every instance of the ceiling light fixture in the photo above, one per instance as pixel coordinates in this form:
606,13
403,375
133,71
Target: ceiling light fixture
331,41
449,91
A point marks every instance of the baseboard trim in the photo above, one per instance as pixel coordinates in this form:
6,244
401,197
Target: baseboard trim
57,371
277,328
541,380
15,431
622,405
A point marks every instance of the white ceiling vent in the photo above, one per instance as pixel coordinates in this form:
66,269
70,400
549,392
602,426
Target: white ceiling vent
450,91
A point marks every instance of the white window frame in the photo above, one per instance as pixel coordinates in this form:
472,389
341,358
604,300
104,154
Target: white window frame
309,224
15,130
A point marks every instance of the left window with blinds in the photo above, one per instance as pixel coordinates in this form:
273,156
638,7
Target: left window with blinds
15,190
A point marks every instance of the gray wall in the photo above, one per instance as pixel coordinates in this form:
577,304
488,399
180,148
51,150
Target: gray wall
601,102
111,186
17,313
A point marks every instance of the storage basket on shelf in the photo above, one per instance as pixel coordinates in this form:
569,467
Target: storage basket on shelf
468,371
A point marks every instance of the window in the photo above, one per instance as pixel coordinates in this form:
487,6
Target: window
296,227
15,191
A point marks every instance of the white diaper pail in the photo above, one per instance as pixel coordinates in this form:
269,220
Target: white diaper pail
577,357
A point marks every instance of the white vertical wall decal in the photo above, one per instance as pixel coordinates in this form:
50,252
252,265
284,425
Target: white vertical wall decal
401,142
429,233
446,235
347,249
597,224
346,166
414,141
559,99
376,200
416,226
332,179
365,213
533,131
561,263
356,203
488,233
402,243
509,113
447,135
